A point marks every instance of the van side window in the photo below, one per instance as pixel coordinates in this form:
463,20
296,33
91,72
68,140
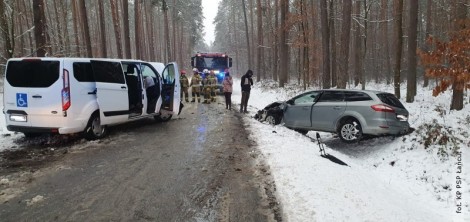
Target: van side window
83,72
357,96
34,74
109,72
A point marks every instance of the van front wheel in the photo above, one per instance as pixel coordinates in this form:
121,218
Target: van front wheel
94,130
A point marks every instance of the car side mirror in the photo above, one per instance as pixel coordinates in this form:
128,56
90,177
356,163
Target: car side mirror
290,102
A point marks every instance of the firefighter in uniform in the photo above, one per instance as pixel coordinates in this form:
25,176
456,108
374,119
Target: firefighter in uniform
207,84
196,85
213,83
184,86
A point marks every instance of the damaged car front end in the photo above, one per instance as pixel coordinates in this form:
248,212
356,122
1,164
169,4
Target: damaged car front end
272,113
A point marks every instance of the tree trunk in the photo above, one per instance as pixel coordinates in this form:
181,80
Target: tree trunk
86,29
5,29
458,85
357,46
412,45
325,35
103,48
127,35
248,48
283,49
429,14
399,47
260,67
332,34
117,27
276,41
386,39
76,28
346,30
138,29
40,28
167,32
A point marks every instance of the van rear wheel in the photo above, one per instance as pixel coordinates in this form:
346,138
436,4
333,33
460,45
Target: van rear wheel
94,129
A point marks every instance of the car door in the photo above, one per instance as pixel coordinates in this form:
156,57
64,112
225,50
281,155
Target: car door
112,92
298,110
171,88
329,107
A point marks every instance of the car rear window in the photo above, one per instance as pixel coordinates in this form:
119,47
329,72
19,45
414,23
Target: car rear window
390,100
32,73
356,96
83,72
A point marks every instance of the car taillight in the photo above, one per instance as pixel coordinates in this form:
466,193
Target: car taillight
66,92
383,108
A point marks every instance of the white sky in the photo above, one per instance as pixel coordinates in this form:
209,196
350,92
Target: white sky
209,9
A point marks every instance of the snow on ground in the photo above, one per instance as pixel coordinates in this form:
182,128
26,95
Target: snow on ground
388,179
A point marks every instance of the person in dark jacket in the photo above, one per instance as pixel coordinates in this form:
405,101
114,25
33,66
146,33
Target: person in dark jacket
246,83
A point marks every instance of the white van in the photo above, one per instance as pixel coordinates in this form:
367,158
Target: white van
73,95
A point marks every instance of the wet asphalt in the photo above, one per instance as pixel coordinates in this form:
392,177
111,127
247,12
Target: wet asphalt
199,166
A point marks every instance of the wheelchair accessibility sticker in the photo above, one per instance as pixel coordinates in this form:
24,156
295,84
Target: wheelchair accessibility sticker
22,100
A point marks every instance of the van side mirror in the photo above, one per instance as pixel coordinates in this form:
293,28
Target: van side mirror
290,102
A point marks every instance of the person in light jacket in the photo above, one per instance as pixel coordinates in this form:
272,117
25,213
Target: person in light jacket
246,83
228,83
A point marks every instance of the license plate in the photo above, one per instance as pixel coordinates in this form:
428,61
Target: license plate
18,118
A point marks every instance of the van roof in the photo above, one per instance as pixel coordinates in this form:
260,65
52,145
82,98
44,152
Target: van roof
73,59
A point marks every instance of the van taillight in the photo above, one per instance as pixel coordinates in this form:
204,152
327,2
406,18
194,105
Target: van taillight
383,108
66,92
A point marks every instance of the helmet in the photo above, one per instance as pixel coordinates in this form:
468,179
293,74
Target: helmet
195,70
183,72
205,71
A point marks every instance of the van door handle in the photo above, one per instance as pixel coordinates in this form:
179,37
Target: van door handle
92,93
37,96
123,87
337,107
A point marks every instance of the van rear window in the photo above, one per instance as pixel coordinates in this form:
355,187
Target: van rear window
32,74
390,100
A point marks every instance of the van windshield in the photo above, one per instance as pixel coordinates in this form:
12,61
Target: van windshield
32,74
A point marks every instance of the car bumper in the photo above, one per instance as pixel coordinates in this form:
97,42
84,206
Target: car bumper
387,130
30,129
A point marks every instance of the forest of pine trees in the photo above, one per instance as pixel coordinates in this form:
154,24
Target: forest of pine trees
321,43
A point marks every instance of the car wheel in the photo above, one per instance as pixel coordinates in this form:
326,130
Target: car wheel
163,117
350,131
94,129
272,119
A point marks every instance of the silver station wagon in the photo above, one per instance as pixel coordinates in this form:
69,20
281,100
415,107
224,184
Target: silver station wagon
349,113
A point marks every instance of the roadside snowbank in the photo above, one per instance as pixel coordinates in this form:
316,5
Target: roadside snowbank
388,179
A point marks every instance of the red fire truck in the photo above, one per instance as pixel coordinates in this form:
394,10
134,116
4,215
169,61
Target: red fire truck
212,61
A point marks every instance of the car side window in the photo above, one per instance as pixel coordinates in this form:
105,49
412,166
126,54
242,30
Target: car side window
306,98
332,96
357,96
